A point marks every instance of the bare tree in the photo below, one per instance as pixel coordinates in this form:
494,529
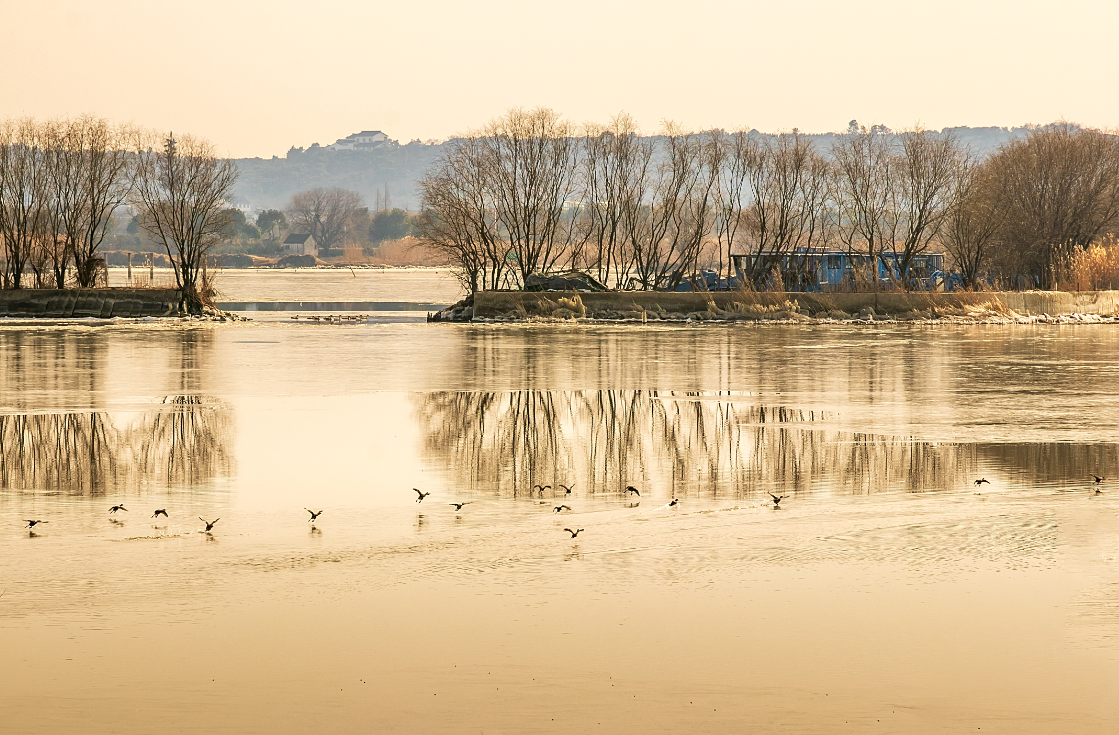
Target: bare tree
23,196
864,195
974,219
106,179
787,183
1061,191
65,197
614,170
182,189
732,194
530,157
323,214
459,216
667,235
927,167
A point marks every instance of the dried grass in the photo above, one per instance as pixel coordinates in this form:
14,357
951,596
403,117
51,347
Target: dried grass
1095,268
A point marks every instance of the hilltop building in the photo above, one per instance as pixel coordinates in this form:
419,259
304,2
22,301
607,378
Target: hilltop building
367,140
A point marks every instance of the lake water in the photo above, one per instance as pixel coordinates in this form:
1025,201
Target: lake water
889,593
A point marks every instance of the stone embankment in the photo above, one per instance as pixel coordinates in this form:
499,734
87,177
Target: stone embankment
963,307
99,303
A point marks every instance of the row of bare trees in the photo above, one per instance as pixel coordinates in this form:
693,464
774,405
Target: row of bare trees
530,192
62,181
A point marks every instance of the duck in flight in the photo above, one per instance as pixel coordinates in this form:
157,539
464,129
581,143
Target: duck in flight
1099,479
559,508
541,488
458,506
566,489
160,512
314,515
32,524
982,480
777,499
209,524
115,508
574,532
632,489
421,494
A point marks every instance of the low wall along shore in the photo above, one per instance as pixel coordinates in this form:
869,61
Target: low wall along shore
102,303
1053,303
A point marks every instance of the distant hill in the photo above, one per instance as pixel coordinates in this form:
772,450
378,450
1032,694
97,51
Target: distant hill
269,183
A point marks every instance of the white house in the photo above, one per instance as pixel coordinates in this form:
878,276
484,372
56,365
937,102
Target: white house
364,141
300,245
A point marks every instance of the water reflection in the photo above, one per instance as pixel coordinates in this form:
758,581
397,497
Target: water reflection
185,441
718,444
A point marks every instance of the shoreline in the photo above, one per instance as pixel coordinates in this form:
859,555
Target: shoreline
1027,307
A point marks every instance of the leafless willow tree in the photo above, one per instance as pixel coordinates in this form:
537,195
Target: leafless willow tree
323,214
105,179
864,177
970,231
1060,188
667,234
776,193
182,190
893,192
529,158
459,217
928,166
616,165
23,196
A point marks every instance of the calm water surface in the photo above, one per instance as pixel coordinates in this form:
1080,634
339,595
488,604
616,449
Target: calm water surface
888,594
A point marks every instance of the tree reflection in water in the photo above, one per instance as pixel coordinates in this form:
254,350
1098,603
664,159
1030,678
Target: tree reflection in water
720,444
184,442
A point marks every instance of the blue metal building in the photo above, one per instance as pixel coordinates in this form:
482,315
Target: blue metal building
827,270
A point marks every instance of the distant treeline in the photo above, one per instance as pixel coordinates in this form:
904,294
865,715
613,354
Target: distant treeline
396,171
531,192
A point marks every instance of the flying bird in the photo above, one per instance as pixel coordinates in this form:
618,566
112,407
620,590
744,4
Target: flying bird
421,494
160,512
32,524
777,499
982,480
632,489
458,506
566,489
573,533
1099,479
209,524
558,508
115,508
314,515
541,488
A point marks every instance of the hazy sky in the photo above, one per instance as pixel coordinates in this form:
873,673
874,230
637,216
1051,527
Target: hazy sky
257,76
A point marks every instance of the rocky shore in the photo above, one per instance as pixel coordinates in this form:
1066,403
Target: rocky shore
557,307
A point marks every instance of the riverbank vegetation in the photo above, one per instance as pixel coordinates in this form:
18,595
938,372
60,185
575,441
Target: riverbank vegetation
531,192
63,181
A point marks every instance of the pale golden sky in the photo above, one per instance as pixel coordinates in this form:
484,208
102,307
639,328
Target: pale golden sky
257,76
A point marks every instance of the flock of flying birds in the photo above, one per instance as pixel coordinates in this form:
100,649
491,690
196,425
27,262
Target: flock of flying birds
630,490
458,505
